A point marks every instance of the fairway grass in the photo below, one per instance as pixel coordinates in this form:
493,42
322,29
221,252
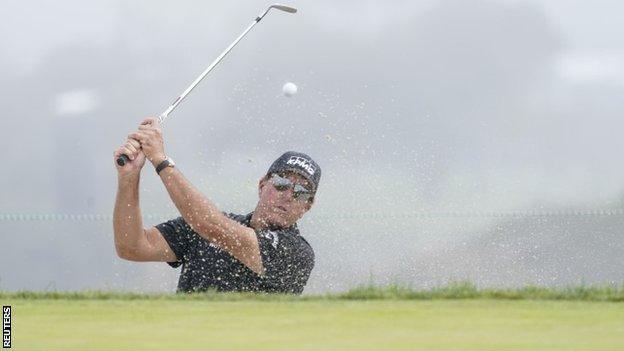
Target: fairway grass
313,324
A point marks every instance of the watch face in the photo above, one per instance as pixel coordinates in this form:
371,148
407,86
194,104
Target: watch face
168,162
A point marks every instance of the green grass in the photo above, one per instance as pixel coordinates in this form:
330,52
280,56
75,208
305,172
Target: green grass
456,317
461,290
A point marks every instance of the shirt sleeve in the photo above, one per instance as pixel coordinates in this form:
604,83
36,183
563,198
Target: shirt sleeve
179,236
288,261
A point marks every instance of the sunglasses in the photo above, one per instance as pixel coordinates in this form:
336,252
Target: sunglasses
300,192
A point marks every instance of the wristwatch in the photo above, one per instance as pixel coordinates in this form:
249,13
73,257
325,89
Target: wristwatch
168,162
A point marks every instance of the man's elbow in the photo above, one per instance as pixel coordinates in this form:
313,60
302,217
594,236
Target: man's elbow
126,253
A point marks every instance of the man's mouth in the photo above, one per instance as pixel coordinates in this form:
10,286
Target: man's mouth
281,208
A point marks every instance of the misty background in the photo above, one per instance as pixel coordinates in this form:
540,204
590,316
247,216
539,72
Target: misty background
459,140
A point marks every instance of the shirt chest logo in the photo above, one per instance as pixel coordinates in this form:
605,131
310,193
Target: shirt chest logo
273,237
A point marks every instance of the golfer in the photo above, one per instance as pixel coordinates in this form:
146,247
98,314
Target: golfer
261,251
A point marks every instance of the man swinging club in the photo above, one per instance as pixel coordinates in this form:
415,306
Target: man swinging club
262,251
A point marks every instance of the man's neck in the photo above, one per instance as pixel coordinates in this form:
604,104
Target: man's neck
257,223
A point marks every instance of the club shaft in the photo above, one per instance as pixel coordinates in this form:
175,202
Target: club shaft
123,159
179,99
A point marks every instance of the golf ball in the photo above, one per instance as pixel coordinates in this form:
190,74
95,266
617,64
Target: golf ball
289,89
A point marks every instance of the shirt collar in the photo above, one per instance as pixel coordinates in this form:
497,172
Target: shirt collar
293,228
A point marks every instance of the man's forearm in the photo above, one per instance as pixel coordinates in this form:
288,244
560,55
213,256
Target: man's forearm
127,221
197,210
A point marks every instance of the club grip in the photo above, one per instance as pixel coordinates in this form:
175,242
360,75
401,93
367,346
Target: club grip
122,160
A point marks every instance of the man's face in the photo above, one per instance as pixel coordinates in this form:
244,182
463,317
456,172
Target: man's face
279,207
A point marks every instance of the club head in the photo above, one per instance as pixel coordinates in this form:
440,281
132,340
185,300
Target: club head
280,7
283,8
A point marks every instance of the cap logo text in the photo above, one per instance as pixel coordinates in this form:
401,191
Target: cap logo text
301,162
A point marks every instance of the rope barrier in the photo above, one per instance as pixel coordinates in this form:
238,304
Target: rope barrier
28,217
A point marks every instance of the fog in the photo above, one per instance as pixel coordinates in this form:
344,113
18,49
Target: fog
459,140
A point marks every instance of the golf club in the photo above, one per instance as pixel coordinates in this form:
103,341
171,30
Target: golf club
121,160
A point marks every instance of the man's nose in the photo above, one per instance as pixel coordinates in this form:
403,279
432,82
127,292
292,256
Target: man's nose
286,195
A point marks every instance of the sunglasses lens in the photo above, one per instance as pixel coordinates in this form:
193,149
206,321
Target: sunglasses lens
303,196
300,192
280,183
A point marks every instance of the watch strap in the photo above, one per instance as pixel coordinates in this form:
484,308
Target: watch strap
164,164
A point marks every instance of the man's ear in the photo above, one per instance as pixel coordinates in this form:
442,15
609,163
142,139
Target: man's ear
309,204
262,184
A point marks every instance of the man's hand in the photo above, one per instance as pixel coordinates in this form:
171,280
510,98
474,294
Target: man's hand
132,149
150,138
